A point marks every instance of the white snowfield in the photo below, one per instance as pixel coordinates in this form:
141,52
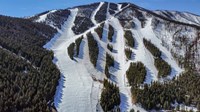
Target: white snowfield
77,90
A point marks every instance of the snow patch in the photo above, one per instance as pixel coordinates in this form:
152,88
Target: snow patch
42,18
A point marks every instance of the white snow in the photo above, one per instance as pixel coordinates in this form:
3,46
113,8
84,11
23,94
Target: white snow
120,68
105,32
142,54
171,36
43,17
95,12
148,33
184,107
188,108
77,92
102,52
108,13
119,7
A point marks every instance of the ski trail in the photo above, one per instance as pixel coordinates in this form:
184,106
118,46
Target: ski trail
148,33
107,12
143,55
43,17
65,34
95,12
105,32
119,7
120,69
120,66
76,91
102,53
77,85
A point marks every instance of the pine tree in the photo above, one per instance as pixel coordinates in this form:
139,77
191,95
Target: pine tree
71,50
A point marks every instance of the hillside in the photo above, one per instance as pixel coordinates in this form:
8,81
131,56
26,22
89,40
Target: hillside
28,77
112,57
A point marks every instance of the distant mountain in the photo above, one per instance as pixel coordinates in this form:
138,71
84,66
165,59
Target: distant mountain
184,17
120,57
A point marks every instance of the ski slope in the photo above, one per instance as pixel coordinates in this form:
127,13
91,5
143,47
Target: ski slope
148,33
120,68
76,83
76,92
119,65
95,12
42,18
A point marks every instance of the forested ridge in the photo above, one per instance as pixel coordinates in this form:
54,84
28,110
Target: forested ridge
28,77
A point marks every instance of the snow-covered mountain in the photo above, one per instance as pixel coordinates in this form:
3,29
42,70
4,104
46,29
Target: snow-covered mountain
175,34
184,17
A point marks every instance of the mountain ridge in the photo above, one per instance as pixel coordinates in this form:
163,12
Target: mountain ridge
131,4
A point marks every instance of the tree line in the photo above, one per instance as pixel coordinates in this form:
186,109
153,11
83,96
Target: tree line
74,48
129,38
109,62
99,30
93,49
